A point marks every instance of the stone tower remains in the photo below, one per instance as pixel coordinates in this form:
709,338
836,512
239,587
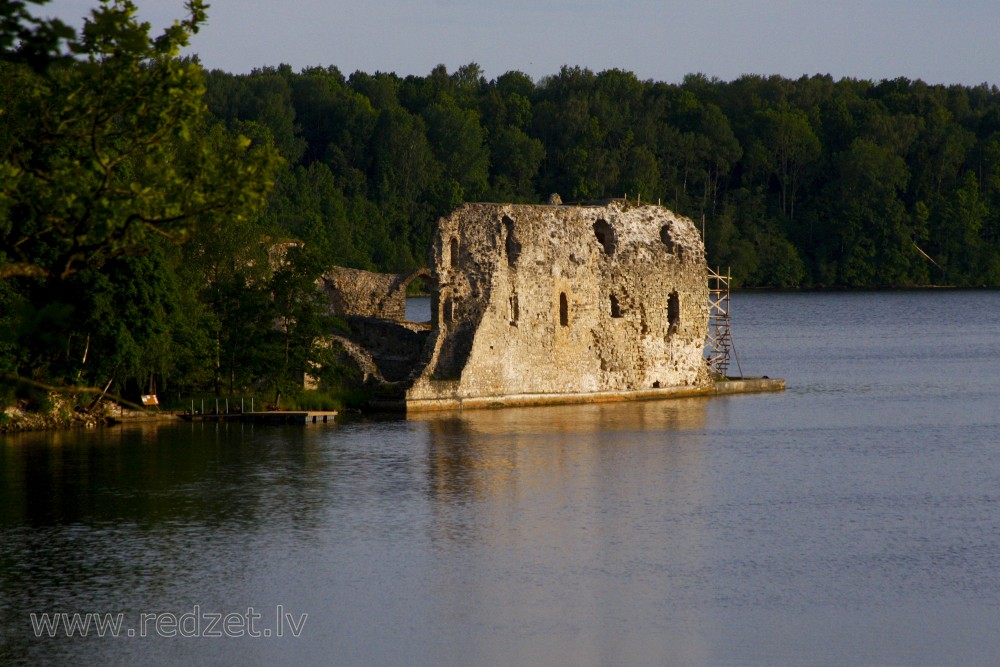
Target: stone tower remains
538,304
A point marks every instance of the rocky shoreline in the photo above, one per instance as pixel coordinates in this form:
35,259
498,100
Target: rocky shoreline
60,412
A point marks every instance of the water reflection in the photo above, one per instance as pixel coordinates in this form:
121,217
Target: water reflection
197,473
147,517
850,520
567,520
483,453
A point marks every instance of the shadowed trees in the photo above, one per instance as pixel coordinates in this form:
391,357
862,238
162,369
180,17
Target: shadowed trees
112,148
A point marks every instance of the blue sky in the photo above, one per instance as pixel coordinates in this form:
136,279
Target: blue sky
948,41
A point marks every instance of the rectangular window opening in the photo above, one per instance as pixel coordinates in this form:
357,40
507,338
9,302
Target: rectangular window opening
616,309
673,311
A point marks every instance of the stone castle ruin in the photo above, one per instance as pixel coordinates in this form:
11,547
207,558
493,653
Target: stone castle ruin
536,304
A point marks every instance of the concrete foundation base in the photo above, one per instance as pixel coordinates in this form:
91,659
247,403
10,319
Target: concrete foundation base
724,387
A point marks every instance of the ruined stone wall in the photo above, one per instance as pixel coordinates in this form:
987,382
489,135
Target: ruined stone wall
366,294
565,299
396,348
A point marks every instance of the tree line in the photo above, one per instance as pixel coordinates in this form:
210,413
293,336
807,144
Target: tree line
798,183
162,225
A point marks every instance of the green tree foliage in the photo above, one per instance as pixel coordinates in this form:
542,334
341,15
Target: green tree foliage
232,269
112,147
28,39
957,233
108,156
103,150
458,142
790,146
757,159
302,320
805,182
875,241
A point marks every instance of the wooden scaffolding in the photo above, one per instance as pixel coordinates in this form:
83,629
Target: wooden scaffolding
719,342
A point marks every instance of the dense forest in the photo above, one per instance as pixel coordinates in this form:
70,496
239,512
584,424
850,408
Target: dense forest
142,199
800,183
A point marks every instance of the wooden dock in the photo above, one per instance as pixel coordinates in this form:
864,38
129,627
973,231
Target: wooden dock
269,417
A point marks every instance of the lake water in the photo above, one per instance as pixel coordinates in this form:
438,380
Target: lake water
852,520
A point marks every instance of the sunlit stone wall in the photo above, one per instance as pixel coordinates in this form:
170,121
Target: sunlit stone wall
565,300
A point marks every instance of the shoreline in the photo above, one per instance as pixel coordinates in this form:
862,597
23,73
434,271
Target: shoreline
58,418
727,387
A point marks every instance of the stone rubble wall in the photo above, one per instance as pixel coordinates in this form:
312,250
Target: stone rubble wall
365,294
396,348
382,347
565,300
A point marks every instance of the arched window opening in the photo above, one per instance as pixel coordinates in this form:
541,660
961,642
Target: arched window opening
511,246
616,309
605,234
563,310
667,239
453,253
673,311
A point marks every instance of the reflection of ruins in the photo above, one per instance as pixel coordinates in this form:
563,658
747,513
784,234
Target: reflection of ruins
535,305
484,453
582,512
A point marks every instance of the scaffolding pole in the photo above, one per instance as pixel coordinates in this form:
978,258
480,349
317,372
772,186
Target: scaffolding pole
719,341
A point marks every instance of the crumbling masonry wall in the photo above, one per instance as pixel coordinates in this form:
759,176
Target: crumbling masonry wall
564,300
378,343
366,294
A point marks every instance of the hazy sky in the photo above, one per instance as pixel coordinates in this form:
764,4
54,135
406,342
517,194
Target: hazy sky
943,41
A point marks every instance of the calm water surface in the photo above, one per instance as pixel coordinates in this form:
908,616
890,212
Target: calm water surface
854,519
